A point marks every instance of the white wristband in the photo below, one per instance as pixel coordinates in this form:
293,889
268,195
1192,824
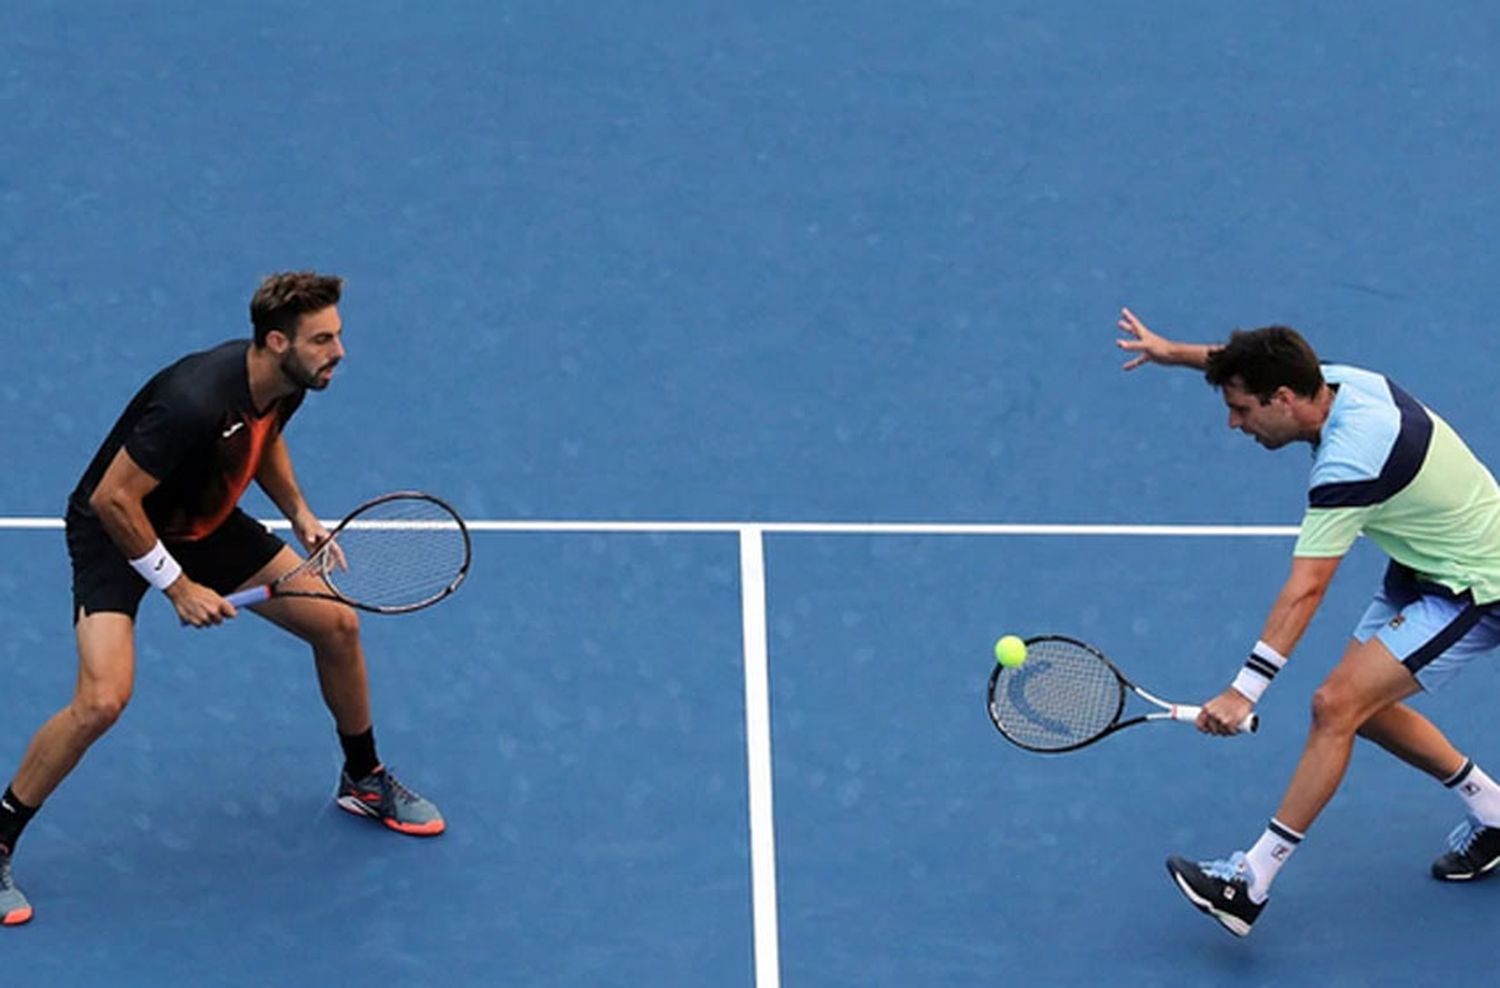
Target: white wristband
1259,669
157,567
1249,685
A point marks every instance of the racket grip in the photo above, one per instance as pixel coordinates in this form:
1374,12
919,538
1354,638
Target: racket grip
1183,712
253,595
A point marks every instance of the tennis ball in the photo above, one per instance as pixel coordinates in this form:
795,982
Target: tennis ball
1010,651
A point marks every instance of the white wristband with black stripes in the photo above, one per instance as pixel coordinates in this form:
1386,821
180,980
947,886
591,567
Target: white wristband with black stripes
157,567
1259,669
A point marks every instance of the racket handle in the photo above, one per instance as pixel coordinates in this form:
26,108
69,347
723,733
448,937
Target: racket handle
254,595
1181,711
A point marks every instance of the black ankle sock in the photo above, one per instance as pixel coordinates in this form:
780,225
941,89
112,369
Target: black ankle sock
359,754
14,815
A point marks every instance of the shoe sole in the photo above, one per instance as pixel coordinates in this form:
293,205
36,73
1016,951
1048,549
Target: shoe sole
1468,876
431,828
16,917
1233,924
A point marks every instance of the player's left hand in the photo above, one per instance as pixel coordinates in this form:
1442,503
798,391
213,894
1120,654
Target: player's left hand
1224,714
312,534
1147,347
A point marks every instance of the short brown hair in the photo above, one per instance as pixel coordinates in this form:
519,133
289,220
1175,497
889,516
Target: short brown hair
283,299
1264,360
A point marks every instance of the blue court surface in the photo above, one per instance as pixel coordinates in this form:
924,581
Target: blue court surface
751,265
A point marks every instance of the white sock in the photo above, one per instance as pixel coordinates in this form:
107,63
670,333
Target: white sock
1268,855
1478,791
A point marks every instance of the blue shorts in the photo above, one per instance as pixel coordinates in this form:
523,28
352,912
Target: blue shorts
1429,629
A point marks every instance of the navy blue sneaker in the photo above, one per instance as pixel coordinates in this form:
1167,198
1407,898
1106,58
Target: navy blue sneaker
1473,852
1219,888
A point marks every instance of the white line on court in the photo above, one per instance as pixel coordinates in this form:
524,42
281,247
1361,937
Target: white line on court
758,756
815,528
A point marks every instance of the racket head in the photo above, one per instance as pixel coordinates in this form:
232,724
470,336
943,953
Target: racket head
1064,696
394,554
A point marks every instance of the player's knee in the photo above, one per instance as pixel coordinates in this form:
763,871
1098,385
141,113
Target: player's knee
1334,708
340,628
97,710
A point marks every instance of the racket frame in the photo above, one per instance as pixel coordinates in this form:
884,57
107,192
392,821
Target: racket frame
1184,712
321,560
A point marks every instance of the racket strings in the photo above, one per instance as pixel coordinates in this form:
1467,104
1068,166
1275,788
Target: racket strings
1064,694
399,553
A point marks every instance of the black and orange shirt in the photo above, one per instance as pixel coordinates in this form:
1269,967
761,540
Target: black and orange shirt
194,428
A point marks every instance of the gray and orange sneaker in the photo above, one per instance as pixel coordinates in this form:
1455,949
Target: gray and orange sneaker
14,909
380,797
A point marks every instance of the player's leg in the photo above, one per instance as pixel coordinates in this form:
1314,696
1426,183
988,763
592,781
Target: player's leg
1367,680
106,676
106,594
1414,739
333,632
1233,891
1435,636
1412,625
106,671
242,553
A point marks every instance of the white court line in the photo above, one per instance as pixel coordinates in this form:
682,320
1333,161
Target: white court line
887,528
758,756
816,528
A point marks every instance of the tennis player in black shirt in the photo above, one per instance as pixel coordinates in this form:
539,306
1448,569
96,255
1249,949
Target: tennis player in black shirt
157,507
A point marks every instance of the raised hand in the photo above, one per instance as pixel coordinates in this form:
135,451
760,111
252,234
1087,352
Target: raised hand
1146,345
1150,348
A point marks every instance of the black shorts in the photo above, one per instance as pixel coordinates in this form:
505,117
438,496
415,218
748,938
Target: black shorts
104,580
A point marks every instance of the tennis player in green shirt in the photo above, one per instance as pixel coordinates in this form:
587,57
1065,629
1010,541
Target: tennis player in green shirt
1386,467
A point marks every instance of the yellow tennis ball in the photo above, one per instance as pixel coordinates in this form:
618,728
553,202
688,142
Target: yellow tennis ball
1010,651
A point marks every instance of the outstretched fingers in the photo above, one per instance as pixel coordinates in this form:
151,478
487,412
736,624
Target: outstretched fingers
1138,339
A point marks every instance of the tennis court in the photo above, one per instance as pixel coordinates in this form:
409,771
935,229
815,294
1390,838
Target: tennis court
746,338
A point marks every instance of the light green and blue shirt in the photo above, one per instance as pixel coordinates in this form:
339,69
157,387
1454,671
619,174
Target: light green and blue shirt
1387,467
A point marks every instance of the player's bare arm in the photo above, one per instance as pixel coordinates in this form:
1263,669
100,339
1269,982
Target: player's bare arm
1298,601
277,478
1290,615
1151,348
119,501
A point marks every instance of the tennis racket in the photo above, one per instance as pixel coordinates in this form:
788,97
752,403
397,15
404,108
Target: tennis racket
395,554
1067,695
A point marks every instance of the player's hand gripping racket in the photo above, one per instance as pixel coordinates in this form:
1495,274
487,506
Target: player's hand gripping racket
1067,695
397,553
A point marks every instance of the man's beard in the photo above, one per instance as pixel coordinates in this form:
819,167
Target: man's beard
301,376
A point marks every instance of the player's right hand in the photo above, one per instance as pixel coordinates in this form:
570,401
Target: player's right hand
1224,714
198,605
